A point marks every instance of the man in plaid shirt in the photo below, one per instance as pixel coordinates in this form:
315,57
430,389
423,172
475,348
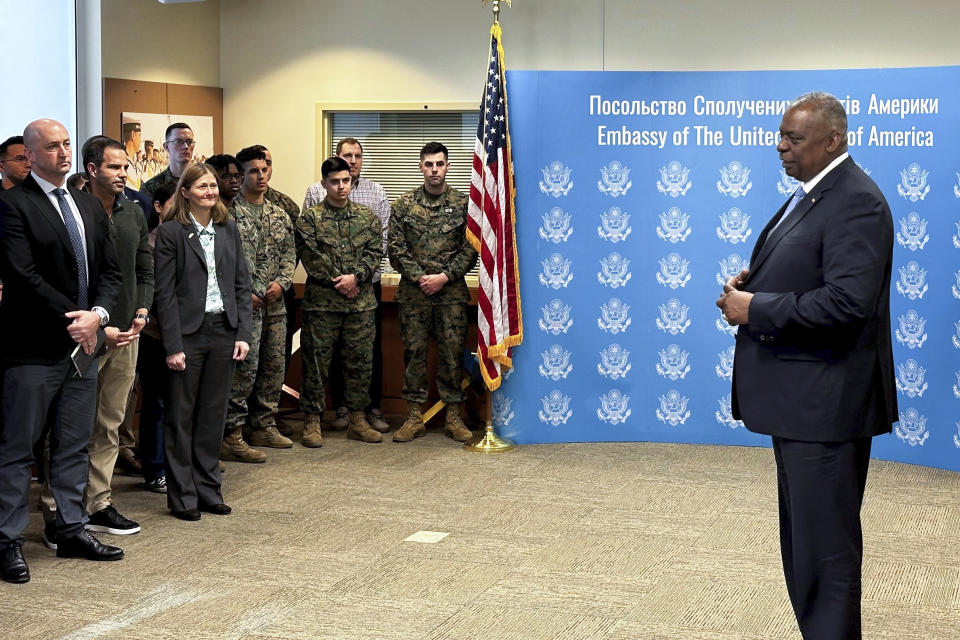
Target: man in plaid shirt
369,194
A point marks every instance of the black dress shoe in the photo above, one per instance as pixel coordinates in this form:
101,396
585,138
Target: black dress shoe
13,568
216,509
190,515
85,545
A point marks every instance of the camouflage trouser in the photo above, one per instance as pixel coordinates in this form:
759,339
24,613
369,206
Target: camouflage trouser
448,325
244,376
352,333
265,400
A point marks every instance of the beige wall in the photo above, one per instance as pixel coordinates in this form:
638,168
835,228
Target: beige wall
176,44
278,58
277,64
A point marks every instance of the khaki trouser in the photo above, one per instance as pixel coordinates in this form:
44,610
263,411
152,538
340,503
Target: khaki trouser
128,439
117,368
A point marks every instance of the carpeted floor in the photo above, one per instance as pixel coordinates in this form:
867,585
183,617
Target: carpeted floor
571,542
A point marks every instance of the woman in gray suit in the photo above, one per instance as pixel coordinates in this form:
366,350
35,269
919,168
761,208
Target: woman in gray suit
203,298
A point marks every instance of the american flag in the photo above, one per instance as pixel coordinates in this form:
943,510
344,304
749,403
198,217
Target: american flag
490,226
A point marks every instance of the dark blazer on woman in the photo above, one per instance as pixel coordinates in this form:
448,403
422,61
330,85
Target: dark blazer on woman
181,276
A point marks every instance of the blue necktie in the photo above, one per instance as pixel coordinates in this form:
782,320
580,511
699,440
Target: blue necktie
76,240
797,197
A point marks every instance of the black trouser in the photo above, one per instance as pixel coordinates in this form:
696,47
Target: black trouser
30,392
196,411
821,487
153,371
376,379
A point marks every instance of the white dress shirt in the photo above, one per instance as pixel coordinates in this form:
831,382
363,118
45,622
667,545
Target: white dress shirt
48,190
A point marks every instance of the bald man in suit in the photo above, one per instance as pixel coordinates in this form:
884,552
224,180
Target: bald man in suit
61,279
814,361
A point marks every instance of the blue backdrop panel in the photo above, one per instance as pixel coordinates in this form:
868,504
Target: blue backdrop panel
639,192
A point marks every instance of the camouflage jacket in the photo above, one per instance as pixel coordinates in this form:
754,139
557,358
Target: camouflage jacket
150,187
279,260
253,242
333,242
430,236
283,201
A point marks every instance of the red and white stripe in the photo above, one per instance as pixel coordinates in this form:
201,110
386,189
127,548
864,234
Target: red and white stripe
490,226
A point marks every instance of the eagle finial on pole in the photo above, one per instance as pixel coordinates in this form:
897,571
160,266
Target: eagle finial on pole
496,8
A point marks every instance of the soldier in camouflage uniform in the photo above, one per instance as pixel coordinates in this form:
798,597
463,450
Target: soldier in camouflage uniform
179,145
290,300
339,243
370,194
249,219
427,245
255,395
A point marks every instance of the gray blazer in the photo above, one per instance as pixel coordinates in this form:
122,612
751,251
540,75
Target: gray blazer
181,281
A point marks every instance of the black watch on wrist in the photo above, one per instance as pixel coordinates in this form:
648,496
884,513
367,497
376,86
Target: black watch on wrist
144,317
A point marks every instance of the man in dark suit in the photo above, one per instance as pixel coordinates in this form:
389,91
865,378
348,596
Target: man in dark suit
814,363
61,280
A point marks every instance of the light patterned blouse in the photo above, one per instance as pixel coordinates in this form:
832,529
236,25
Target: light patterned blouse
207,236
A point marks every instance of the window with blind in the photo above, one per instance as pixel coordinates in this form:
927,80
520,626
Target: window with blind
391,146
392,140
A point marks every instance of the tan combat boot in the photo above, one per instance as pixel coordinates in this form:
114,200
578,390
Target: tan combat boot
412,427
311,431
360,429
236,449
270,437
455,427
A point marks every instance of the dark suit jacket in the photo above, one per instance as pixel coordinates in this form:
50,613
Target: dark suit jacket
815,362
39,272
181,281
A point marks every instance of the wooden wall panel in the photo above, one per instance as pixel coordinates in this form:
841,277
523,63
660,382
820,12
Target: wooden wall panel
121,95
200,101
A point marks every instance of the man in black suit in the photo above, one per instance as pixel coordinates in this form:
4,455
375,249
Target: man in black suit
61,279
814,363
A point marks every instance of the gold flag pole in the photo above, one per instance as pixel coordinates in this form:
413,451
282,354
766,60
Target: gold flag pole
490,442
